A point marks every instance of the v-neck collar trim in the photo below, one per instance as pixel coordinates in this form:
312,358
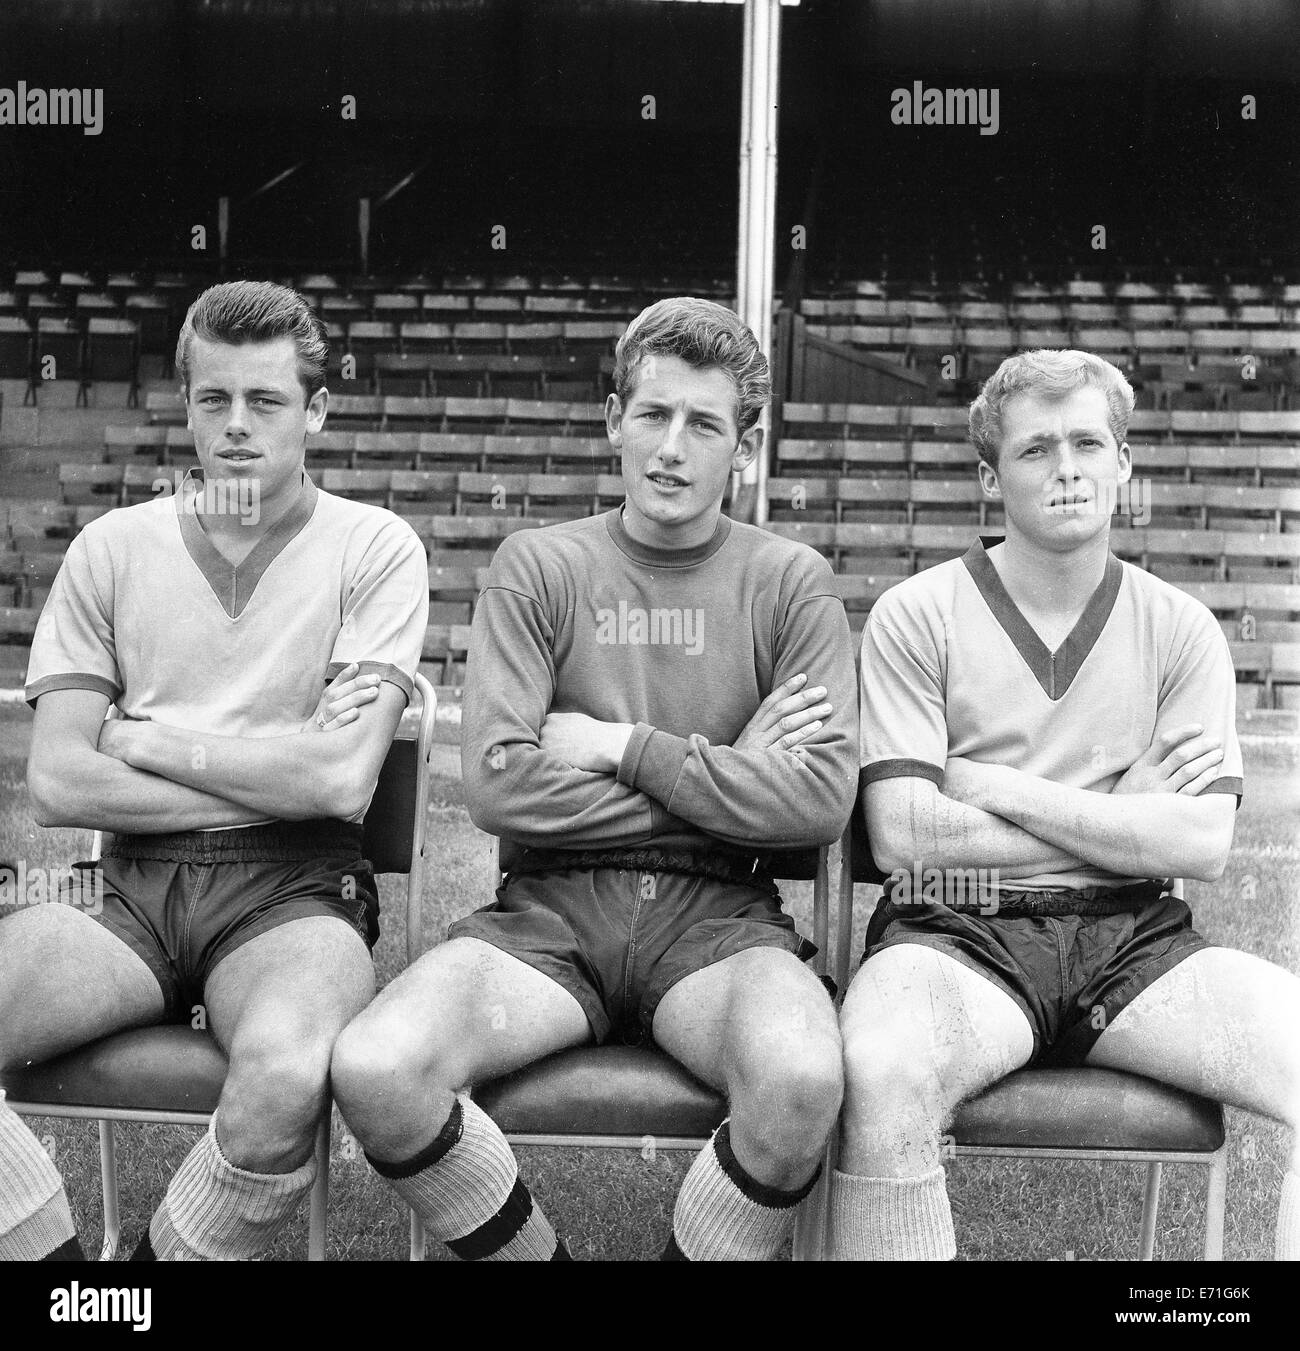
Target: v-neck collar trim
234,586
1054,671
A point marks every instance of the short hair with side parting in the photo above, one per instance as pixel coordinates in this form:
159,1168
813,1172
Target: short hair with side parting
1050,374
701,333
238,312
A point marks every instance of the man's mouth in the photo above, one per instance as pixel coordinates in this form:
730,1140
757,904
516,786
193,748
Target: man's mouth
666,480
1068,503
236,456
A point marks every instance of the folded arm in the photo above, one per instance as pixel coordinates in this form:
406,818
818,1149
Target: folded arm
1150,834
72,783
302,776
910,821
515,787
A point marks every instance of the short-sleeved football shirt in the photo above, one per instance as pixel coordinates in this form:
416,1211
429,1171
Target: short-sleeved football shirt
950,667
148,612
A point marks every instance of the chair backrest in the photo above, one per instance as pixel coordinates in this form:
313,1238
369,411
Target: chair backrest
395,825
390,824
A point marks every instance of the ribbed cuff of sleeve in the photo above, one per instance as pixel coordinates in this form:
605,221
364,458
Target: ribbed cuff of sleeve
652,762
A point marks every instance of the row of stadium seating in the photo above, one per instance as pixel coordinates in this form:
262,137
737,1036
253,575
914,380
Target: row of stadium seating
1202,511
1247,579
1191,285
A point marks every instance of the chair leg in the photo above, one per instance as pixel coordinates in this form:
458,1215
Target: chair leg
1216,1199
1150,1209
108,1181
812,1222
320,1193
811,1219
417,1238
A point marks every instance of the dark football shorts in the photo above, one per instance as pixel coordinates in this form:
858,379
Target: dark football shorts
617,939
1072,960
185,901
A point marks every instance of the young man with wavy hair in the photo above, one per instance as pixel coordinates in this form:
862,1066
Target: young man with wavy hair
655,698
1062,724
260,639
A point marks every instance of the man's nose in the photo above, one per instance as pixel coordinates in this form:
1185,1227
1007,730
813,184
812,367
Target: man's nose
1067,462
670,448
237,419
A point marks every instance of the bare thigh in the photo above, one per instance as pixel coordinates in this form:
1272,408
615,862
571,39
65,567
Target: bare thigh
1222,1023
762,1006
297,985
66,980
473,1012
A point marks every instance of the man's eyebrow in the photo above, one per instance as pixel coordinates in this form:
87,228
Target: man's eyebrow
212,387
1046,434
665,405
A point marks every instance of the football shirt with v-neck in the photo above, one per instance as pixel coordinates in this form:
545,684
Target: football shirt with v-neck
951,667
147,611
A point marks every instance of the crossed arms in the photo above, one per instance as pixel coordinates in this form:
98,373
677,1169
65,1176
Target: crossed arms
150,778
545,777
1151,824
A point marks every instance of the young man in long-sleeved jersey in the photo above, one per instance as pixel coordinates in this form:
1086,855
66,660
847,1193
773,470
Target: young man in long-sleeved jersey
655,698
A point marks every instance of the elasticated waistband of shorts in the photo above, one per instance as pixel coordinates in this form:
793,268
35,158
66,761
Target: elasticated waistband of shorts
1052,904
274,842
744,870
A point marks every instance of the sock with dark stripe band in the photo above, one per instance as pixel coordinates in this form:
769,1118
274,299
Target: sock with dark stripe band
725,1215
465,1188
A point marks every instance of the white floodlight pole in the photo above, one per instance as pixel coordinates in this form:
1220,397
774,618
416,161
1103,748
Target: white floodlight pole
757,233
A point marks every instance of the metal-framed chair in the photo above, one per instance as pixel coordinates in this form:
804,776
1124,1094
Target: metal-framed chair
1079,1114
173,1074
619,1096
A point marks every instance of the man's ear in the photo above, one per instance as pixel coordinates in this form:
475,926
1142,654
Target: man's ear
747,448
614,421
316,407
989,479
1125,462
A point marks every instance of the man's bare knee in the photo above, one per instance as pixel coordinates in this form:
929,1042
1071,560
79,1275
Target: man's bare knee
381,1057
784,1104
273,1098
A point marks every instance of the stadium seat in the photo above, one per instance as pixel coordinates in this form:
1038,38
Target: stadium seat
61,344
113,354
621,1096
16,350
173,1074
1080,1114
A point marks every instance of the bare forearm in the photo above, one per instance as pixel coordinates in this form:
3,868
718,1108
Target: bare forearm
98,792
1138,834
284,776
938,832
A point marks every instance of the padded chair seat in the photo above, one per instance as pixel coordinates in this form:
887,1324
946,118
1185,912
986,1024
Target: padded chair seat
1089,1109
161,1069
602,1090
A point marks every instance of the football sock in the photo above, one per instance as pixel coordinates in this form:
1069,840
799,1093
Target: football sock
216,1212
465,1187
724,1215
66,1252
1286,1244
891,1219
35,1221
